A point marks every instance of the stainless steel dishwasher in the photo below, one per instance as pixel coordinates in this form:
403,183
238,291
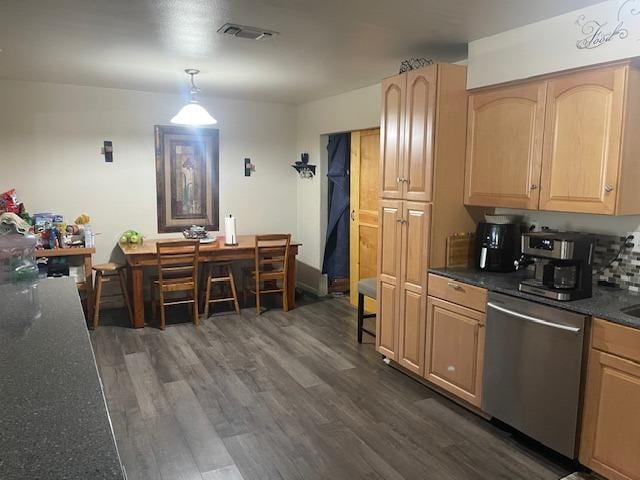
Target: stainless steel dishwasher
532,369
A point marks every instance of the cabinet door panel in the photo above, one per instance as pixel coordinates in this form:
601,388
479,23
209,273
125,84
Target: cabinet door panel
610,441
389,241
455,349
504,146
415,251
420,121
583,133
392,124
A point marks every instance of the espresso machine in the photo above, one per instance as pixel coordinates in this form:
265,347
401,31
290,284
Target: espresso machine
563,264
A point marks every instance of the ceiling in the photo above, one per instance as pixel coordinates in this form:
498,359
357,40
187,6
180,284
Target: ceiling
325,47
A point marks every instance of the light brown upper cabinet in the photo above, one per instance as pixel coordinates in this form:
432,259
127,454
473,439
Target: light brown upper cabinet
504,146
407,135
392,125
567,142
582,141
420,120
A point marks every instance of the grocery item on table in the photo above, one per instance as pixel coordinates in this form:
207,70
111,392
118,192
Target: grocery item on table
9,202
83,219
130,237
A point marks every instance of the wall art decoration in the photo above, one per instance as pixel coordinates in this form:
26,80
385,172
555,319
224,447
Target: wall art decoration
595,33
187,175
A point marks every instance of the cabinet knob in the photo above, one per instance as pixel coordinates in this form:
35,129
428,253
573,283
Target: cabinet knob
608,188
533,186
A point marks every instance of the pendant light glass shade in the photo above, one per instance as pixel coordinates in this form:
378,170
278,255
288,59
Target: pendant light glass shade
193,113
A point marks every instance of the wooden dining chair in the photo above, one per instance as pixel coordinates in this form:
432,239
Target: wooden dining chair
271,266
177,272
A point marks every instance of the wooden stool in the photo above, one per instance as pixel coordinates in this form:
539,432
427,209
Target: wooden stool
107,272
223,275
366,288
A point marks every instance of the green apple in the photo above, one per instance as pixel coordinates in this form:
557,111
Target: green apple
134,238
124,240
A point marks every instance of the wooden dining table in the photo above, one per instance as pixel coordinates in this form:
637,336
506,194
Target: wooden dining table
144,255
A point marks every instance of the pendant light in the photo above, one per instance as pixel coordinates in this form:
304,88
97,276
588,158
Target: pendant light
193,113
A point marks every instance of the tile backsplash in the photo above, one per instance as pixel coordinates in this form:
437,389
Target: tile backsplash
625,271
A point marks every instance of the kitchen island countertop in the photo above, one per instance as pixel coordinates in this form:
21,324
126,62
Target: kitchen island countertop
53,421
606,302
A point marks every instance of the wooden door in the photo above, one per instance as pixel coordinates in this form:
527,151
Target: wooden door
392,125
389,241
413,286
504,146
454,349
419,134
582,141
610,439
363,239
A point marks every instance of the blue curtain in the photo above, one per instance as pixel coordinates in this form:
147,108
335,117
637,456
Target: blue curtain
336,251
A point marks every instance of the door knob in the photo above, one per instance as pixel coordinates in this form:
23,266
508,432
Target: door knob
533,186
608,188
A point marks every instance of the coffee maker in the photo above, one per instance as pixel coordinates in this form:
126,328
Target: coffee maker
498,244
563,264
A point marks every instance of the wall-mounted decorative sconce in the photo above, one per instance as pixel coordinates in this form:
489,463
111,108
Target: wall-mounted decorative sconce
303,168
248,167
107,151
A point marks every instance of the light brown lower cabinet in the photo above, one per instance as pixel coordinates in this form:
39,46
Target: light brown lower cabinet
610,438
402,264
454,349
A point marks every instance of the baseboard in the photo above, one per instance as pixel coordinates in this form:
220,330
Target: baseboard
311,279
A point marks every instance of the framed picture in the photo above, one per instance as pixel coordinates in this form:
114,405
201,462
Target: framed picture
187,177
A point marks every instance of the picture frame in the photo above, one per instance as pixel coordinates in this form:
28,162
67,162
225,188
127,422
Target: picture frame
187,177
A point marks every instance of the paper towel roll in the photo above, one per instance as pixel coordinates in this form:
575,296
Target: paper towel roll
230,237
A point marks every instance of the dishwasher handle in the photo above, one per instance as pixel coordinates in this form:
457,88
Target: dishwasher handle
529,318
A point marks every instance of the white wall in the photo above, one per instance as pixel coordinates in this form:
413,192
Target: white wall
50,139
603,32
355,110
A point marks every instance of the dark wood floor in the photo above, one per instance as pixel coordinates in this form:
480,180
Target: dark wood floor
288,396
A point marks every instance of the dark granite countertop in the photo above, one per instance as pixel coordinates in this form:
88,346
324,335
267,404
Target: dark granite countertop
605,303
53,418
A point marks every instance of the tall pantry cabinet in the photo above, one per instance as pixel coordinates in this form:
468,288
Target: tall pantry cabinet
422,143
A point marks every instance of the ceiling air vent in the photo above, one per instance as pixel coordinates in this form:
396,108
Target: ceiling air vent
242,31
